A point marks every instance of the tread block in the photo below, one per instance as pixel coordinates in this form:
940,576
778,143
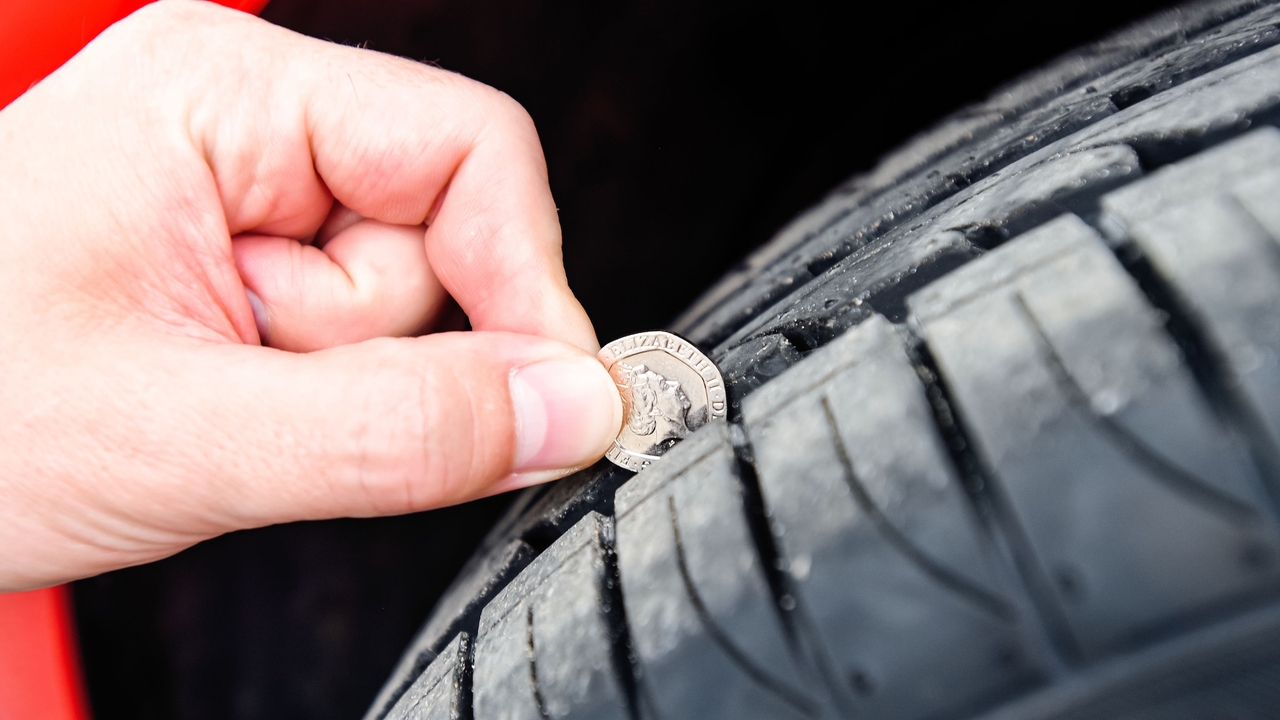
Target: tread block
1136,504
824,309
1194,114
1220,254
441,691
704,626
882,274
456,610
1209,173
544,647
883,548
1039,115
1038,188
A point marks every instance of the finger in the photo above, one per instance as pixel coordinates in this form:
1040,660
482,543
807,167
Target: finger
369,280
209,438
392,140
494,241
393,426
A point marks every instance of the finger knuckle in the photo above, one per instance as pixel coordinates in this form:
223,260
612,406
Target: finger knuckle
515,114
173,16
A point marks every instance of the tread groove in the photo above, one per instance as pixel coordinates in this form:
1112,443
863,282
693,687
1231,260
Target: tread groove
761,677
466,674
538,700
988,495
615,615
798,626
995,510
980,598
1208,367
466,692
1170,475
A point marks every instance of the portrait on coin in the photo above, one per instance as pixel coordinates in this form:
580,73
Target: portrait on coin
658,405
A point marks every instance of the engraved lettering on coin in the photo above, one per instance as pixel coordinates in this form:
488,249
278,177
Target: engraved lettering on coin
669,389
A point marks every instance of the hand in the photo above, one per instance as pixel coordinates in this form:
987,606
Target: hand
216,237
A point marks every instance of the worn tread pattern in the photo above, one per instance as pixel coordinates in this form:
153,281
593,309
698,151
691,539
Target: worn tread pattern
1003,440
890,572
1095,434
695,592
543,647
1017,122
1209,227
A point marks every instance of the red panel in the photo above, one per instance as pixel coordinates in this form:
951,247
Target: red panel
39,667
37,36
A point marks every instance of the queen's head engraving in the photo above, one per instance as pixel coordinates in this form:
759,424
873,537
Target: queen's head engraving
659,407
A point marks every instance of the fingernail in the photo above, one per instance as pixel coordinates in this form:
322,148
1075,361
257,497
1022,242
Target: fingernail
567,413
259,314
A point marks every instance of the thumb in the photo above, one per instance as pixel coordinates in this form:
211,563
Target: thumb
190,439
400,425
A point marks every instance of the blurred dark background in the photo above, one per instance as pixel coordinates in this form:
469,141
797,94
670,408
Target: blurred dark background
685,131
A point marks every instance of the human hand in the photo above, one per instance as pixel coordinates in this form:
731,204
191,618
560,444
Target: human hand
192,153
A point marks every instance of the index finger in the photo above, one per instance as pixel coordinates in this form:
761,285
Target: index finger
402,143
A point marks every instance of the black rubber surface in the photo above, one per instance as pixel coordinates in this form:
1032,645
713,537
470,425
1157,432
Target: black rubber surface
1005,438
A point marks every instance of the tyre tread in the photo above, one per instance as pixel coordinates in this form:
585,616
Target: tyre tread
996,316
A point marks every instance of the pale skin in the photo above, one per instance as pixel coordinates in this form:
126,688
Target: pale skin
223,247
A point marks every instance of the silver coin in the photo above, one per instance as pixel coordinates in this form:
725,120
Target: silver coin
668,388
